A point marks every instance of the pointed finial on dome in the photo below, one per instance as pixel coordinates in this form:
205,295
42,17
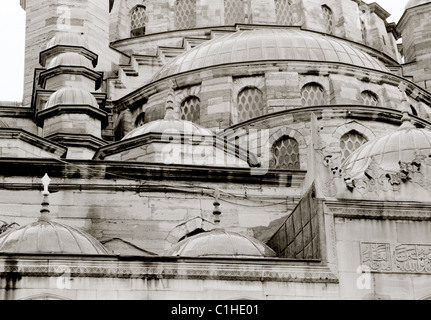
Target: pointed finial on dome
172,113
217,211
405,107
44,212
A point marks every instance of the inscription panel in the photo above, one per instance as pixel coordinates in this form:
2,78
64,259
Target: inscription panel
405,258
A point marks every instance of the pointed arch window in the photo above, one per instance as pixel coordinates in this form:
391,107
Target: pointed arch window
328,17
140,120
185,14
285,154
284,12
351,142
191,109
138,21
234,11
313,94
250,104
369,98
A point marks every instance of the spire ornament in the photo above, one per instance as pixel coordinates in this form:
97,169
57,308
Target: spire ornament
45,212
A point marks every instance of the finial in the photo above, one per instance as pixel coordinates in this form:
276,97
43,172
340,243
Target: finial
44,212
216,211
171,112
46,181
405,108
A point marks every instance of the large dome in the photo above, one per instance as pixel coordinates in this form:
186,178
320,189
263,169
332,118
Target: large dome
269,45
415,3
220,243
47,237
72,96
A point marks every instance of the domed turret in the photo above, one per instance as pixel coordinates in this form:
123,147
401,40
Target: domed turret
48,237
220,243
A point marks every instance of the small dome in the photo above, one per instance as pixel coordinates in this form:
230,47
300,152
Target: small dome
72,96
47,237
67,39
404,145
415,3
169,126
269,45
70,59
220,243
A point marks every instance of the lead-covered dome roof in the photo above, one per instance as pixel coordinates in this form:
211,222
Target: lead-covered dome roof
269,45
415,3
70,59
72,96
221,243
47,237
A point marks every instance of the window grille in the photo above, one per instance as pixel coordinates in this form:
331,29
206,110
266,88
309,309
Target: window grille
313,94
250,104
328,16
138,20
284,12
286,154
351,142
234,11
370,99
191,109
185,14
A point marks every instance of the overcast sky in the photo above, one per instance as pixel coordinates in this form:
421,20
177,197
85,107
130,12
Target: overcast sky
12,33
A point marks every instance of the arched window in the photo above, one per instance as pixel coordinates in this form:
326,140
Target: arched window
284,12
285,153
328,17
140,120
138,20
234,11
370,98
350,142
185,14
191,109
250,104
313,94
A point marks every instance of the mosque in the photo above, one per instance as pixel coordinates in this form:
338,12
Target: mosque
218,150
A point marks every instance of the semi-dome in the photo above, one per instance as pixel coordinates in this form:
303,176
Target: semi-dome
221,243
403,146
67,39
415,3
269,45
72,96
70,59
47,237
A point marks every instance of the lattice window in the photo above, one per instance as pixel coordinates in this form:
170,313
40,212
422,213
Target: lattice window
370,98
328,17
191,109
284,12
234,11
250,104
138,20
185,14
285,154
313,94
350,142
